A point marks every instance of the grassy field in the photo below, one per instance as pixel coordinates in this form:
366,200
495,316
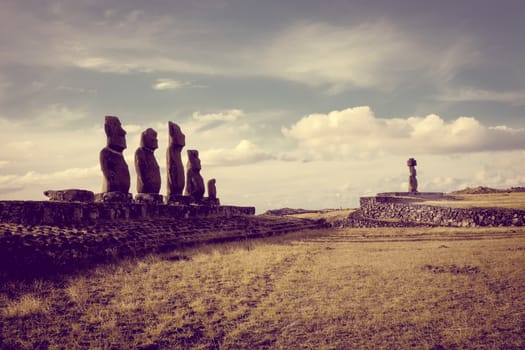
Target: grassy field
329,215
512,200
437,288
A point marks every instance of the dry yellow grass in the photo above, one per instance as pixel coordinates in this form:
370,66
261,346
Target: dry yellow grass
328,215
512,200
332,289
26,305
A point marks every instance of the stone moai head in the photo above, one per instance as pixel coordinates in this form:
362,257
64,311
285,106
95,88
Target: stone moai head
176,135
411,162
193,159
115,133
148,139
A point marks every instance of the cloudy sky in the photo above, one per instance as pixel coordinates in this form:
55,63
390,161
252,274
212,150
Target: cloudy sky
291,103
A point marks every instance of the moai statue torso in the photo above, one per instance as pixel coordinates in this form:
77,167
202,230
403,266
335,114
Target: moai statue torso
194,180
148,172
112,162
212,190
174,164
412,180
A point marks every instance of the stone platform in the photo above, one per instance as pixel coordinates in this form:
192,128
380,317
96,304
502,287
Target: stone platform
35,250
63,213
405,209
414,195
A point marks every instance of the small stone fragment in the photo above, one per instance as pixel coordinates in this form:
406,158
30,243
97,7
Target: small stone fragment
70,195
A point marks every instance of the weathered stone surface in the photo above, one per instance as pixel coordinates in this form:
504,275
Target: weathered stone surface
212,189
195,182
416,195
148,172
211,201
113,197
112,162
412,180
70,195
401,212
59,213
174,166
151,198
178,199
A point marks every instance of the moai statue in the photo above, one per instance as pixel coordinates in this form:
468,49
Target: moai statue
412,180
148,172
194,180
116,182
212,194
174,166
212,190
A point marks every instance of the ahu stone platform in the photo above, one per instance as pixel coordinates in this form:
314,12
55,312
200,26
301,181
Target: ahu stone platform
40,249
403,209
413,195
63,213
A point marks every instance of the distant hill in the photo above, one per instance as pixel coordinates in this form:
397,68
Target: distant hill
487,190
288,211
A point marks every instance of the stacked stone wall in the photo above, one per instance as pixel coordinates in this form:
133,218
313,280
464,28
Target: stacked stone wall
403,210
60,213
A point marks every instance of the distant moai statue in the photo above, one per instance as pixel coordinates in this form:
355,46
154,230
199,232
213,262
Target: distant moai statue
116,181
148,172
212,190
412,180
194,180
212,194
175,168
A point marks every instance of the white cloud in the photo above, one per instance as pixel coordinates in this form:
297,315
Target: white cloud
442,184
138,64
226,116
67,174
357,131
474,94
374,53
318,53
76,89
133,128
42,145
20,146
168,84
34,182
56,115
244,153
